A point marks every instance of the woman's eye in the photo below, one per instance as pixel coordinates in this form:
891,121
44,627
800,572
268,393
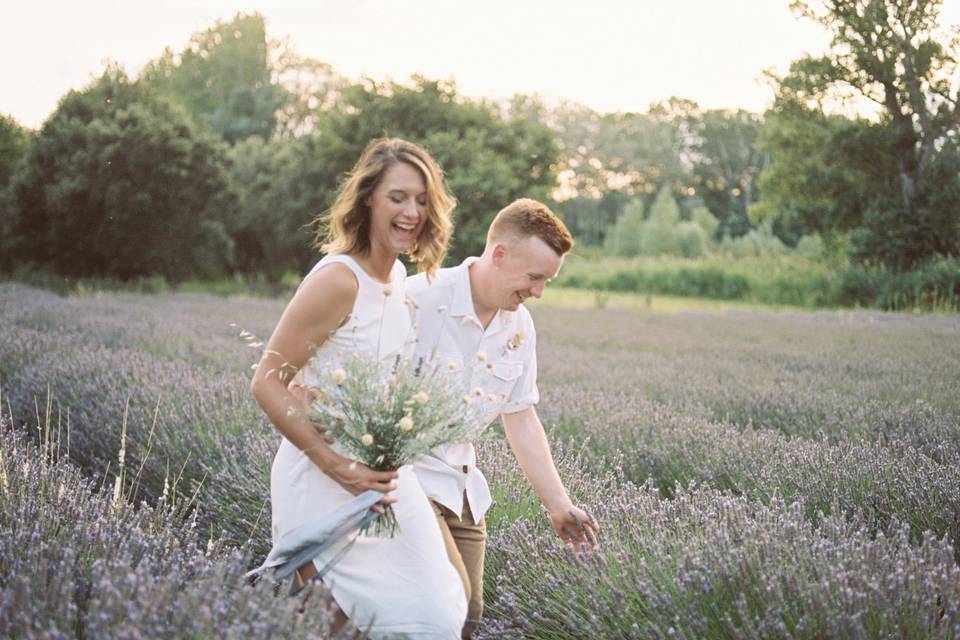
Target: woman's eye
396,199
422,202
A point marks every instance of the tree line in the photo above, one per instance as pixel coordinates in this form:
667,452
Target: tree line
215,159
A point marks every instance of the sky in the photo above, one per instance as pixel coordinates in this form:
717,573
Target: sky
611,55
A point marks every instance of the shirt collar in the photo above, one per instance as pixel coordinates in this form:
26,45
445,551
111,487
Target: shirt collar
462,303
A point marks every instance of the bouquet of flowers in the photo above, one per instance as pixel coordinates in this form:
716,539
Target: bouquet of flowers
386,419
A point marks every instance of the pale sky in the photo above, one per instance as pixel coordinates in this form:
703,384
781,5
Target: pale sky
611,55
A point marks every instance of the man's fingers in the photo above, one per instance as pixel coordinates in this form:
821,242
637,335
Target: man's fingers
592,521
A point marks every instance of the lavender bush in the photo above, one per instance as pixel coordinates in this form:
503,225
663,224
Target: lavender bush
707,565
755,474
80,561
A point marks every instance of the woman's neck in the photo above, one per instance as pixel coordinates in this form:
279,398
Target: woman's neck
377,262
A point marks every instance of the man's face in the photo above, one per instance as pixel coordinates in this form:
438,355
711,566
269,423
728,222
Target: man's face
524,268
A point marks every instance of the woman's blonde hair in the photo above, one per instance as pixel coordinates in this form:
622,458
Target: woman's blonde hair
345,228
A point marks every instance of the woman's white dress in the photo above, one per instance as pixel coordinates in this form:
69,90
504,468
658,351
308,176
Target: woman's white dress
403,585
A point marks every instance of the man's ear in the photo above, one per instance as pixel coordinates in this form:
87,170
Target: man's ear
499,254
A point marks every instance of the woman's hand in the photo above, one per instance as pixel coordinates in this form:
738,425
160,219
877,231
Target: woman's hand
357,477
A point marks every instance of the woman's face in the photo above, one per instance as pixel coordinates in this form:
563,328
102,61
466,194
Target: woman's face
398,208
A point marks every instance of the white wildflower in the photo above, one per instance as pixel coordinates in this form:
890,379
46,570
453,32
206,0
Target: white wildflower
366,439
421,398
406,423
338,376
515,341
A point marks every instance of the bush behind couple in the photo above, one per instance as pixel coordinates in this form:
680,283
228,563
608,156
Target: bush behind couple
426,582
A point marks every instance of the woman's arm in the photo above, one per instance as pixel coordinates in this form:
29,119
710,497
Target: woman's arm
316,311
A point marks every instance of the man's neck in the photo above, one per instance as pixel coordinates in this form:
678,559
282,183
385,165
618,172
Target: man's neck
478,279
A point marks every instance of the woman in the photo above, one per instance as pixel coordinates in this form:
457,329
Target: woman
353,300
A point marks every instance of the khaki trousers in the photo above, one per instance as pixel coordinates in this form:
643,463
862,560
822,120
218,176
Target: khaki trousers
465,541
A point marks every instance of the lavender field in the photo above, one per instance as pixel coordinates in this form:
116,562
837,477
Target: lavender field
755,474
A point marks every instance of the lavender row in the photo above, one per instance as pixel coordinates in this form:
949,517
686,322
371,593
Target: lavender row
77,560
708,565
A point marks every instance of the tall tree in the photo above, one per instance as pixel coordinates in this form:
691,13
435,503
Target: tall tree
309,87
826,170
223,78
892,53
119,182
14,140
726,164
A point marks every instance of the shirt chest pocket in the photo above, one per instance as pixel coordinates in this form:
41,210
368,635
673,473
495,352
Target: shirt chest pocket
501,378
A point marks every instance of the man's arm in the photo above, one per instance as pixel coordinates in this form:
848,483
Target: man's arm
528,441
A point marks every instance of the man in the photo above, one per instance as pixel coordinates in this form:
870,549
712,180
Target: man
472,317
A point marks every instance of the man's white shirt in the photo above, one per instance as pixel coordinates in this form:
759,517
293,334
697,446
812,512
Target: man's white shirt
500,360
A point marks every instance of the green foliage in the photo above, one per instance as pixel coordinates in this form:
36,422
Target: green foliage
588,219
662,233
625,236
933,285
659,230
811,246
775,277
631,152
277,197
14,141
705,220
726,163
691,240
903,241
119,183
825,170
223,78
787,279
758,242
835,174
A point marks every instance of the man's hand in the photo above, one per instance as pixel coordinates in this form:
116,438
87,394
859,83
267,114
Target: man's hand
576,528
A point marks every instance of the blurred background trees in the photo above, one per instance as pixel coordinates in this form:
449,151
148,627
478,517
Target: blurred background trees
216,159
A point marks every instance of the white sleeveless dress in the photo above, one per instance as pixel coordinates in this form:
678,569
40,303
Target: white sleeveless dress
402,586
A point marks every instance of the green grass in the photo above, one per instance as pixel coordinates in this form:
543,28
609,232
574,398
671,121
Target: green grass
788,280
571,298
